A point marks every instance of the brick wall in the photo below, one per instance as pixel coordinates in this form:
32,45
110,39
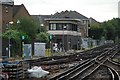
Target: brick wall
0,29
22,13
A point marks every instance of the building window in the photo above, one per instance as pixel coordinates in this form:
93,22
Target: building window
52,26
74,27
59,26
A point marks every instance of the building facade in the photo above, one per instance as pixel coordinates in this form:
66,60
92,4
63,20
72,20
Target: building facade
75,15
5,18
65,33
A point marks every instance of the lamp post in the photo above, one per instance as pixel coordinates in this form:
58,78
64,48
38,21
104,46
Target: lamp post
22,45
9,46
64,27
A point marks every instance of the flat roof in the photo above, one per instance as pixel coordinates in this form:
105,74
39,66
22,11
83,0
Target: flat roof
63,19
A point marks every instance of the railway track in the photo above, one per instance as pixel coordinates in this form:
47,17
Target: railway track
83,71
102,60
92,60
76,56
113,67
114,74
104,72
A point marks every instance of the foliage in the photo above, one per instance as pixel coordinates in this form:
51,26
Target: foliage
96,31
27,27
117,21
15,39
42,37
26,37
12,34
40,27
0,35
109,29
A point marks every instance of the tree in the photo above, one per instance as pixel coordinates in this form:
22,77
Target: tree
42,37
27,26
111,28
12,34
15,40
117,32
14,37
96,31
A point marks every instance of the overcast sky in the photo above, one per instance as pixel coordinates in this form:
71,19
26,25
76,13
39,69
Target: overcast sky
101,10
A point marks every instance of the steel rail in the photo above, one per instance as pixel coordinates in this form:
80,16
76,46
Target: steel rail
114,73
81,69
99,58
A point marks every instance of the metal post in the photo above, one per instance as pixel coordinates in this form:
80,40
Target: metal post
63,38
23,49
77,41
51,48
9,46
23,46
9,53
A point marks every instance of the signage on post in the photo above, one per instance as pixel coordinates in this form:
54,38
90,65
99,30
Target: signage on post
23,37
50,37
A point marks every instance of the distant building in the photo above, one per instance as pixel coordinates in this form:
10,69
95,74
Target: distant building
8,2
75,15
65,32
40,19
93,21
9,12
119,9
67,28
